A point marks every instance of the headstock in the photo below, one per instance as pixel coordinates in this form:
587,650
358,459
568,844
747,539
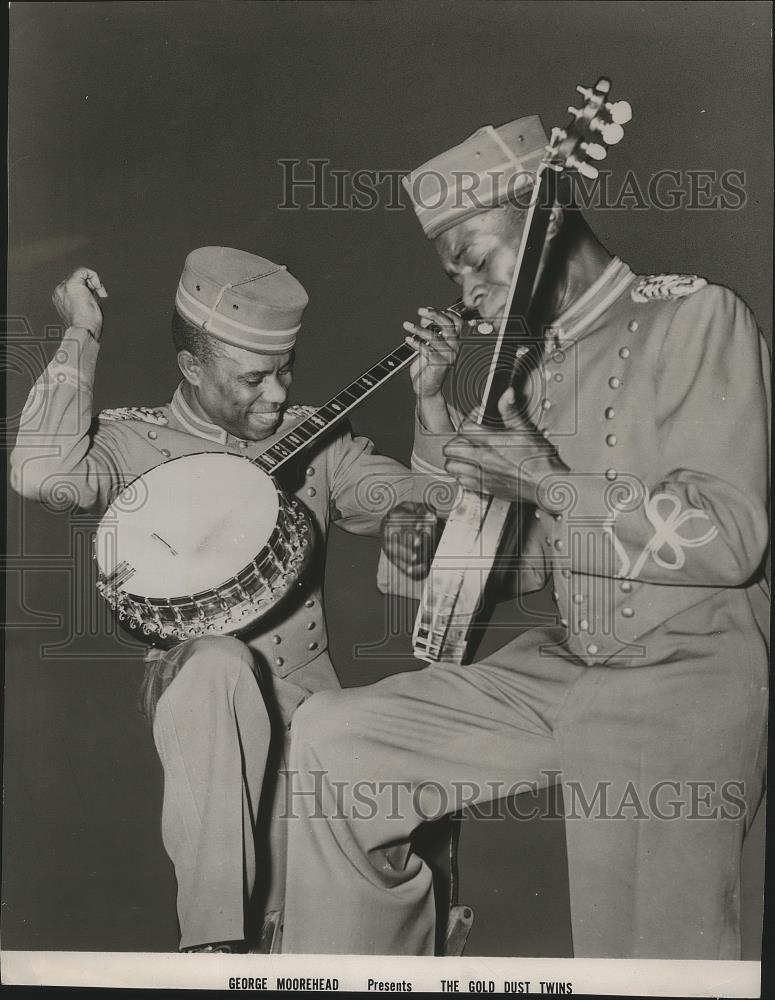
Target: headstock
593,127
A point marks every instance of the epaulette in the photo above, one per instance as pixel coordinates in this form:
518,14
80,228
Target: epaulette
147,414
666,286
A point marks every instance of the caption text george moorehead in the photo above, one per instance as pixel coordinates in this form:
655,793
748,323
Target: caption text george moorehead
310,983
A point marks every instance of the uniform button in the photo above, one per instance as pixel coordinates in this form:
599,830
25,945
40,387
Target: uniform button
242,444
310,626
312,645
559,545
610,413
152,435
628,612
537,514
546,432
632,326
277,639
611,440
558,357
311,491
578,598
309,604
546,404
555,596
564,622
624,352
557,517
61,377
610,474
614,382
310,471
279,661
625,586
548,540
559,377
583,624
166,452
61,356
565,572
592,649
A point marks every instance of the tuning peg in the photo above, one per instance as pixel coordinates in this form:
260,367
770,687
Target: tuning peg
584,168
620,112
575,112
586,92
611,132
593,150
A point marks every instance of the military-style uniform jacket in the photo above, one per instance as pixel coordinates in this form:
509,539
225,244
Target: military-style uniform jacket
63,454
655,392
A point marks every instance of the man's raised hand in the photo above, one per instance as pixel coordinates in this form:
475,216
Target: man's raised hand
437,339
76,302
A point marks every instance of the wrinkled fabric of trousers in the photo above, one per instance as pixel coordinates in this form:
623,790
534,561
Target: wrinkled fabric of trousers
667,746
220,725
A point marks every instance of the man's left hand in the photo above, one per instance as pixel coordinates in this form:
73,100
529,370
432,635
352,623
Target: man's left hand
410,533
509,463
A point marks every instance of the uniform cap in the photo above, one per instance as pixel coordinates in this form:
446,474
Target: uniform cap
241,299
486,169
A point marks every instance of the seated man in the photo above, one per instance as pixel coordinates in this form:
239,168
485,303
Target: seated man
220,707
640,471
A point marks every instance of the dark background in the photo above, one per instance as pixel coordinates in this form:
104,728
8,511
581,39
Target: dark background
140,131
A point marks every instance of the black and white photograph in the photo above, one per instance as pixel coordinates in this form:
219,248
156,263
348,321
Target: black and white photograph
387,440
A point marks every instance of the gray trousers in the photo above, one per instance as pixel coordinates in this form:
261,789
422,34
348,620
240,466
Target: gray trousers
654,869
220,726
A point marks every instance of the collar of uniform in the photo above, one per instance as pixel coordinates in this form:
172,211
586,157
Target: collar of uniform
601,294
192,423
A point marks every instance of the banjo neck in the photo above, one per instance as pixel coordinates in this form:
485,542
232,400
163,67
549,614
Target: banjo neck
325,416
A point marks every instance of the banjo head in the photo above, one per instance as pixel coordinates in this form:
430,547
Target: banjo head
186,526
206,544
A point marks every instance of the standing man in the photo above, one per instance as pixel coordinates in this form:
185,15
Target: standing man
220,707
640,471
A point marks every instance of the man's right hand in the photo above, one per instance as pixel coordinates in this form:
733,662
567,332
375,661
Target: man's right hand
437,340
76,300
410,533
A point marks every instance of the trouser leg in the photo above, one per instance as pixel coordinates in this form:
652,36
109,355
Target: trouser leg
674,753
270,834
282,697
651,886
212,733
419,745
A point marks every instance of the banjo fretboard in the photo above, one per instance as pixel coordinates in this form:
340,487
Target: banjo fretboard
297,439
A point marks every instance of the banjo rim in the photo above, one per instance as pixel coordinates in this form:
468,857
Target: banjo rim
266,578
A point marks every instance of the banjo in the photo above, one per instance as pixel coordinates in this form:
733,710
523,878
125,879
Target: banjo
219,562
477,525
